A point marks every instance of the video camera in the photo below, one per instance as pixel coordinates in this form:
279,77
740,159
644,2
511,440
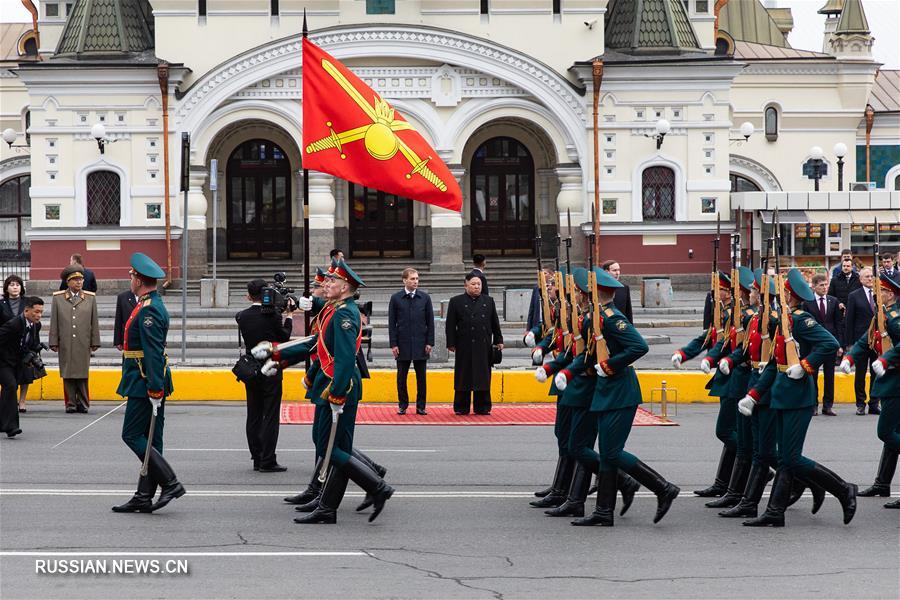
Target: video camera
33,359
278,297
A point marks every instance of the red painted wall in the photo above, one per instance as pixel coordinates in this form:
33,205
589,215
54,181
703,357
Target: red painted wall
50,257
637,259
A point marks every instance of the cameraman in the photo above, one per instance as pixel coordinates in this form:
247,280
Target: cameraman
19,347
258,324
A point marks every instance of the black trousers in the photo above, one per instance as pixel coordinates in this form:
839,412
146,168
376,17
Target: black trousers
263,418
828,392
9,403
421,384
859,383
480,400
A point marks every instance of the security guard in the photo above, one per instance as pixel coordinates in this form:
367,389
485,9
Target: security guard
793,398
338,378
717,346
146,381
886,386
616,397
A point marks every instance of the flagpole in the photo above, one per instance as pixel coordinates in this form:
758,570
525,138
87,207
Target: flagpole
598,76
306,257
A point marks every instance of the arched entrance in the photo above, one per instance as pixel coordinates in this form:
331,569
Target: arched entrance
502,198
381,224
258,201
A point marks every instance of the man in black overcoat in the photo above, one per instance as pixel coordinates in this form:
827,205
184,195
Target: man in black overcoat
473,327
125,303
411,336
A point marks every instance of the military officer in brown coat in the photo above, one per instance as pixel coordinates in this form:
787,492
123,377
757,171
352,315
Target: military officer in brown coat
74,333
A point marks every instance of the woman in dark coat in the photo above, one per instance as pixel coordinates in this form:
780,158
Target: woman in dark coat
11,306
473,327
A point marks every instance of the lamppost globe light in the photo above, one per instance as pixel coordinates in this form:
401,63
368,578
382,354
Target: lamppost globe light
816,153
840,150
663,127
9,135
98,131
747,129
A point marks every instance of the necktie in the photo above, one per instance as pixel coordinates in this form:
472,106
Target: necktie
822,307
871,300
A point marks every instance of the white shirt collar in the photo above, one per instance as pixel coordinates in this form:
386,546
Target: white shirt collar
818,297
408,291
256,304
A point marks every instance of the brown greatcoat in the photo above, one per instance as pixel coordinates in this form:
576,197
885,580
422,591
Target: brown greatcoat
74,327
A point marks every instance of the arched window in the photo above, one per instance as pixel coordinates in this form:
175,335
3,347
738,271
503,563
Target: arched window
897,183
658,193
739,183
771,123
15,216
104,197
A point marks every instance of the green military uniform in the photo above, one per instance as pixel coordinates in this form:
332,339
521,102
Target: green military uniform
793,394
887,388
147,381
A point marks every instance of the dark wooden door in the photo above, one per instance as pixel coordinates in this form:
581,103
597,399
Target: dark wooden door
381,224
258,202
502,199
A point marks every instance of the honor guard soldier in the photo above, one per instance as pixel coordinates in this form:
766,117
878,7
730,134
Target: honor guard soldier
886,385
616,396
793,396
336,392
715,342
146,382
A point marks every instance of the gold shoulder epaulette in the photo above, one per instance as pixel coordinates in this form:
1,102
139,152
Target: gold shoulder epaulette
59,292
797,311
609,312
893,313
147,302
89,293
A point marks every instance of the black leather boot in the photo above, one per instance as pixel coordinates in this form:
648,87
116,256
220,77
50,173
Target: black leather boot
593,488
894,504
368,500
325,512
656,483
370,482
886,467
723,474
546,491
574,504
142,501
604,512
162,472
736,486
837,487
564,468
749,505
628,487
778,501
313,488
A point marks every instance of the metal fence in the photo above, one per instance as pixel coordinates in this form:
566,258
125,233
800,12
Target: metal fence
14,261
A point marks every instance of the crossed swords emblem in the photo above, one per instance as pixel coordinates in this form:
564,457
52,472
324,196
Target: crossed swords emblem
379,136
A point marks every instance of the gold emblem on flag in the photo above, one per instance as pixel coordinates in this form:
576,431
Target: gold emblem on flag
379,136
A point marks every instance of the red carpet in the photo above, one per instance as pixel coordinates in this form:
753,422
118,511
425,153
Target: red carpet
294,413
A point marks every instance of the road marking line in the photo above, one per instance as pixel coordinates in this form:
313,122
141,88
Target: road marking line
180,554
404,450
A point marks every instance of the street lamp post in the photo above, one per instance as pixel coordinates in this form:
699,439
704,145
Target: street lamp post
840,150
662,128
815,155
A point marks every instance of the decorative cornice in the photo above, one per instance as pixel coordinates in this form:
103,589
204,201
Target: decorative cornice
756,168
14,163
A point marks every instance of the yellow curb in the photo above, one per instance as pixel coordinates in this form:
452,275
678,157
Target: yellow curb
506,386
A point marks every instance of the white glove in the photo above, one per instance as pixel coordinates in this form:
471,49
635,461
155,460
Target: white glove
600,371
795,372
762,367
878,368
845,367
156,402
304,303
337,409
723,367
270,368
262,350
540,374
705,367
745,405
537,356
529,339
303,383
561,381
676,360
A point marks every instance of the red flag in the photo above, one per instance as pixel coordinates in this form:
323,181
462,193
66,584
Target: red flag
351,133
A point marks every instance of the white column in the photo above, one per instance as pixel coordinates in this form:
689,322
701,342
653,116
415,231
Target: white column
197,201
446,229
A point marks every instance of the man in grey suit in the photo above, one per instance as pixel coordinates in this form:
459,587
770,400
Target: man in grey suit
411,335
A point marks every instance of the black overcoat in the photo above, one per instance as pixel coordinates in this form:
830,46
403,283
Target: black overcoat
472,328
411,324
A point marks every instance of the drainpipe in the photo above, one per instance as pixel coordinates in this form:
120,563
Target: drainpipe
720,4
162,73
29,6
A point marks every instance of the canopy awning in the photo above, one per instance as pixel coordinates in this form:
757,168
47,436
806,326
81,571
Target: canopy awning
785,216
832,216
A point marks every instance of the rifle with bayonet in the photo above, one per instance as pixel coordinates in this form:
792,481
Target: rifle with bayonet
563,313
737,320
570,327
600,347
791,349
765,310
572,293
879,340
546,312
716,325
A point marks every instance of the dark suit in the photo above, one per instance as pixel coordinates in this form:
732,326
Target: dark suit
15,339
833,321
90,282
840,287
410,329
484,285
707,311
622,300
473,327
535,310
893,273
7,312
263,393
856,324
125,303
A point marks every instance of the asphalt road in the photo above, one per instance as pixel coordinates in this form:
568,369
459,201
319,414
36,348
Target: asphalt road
459,526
